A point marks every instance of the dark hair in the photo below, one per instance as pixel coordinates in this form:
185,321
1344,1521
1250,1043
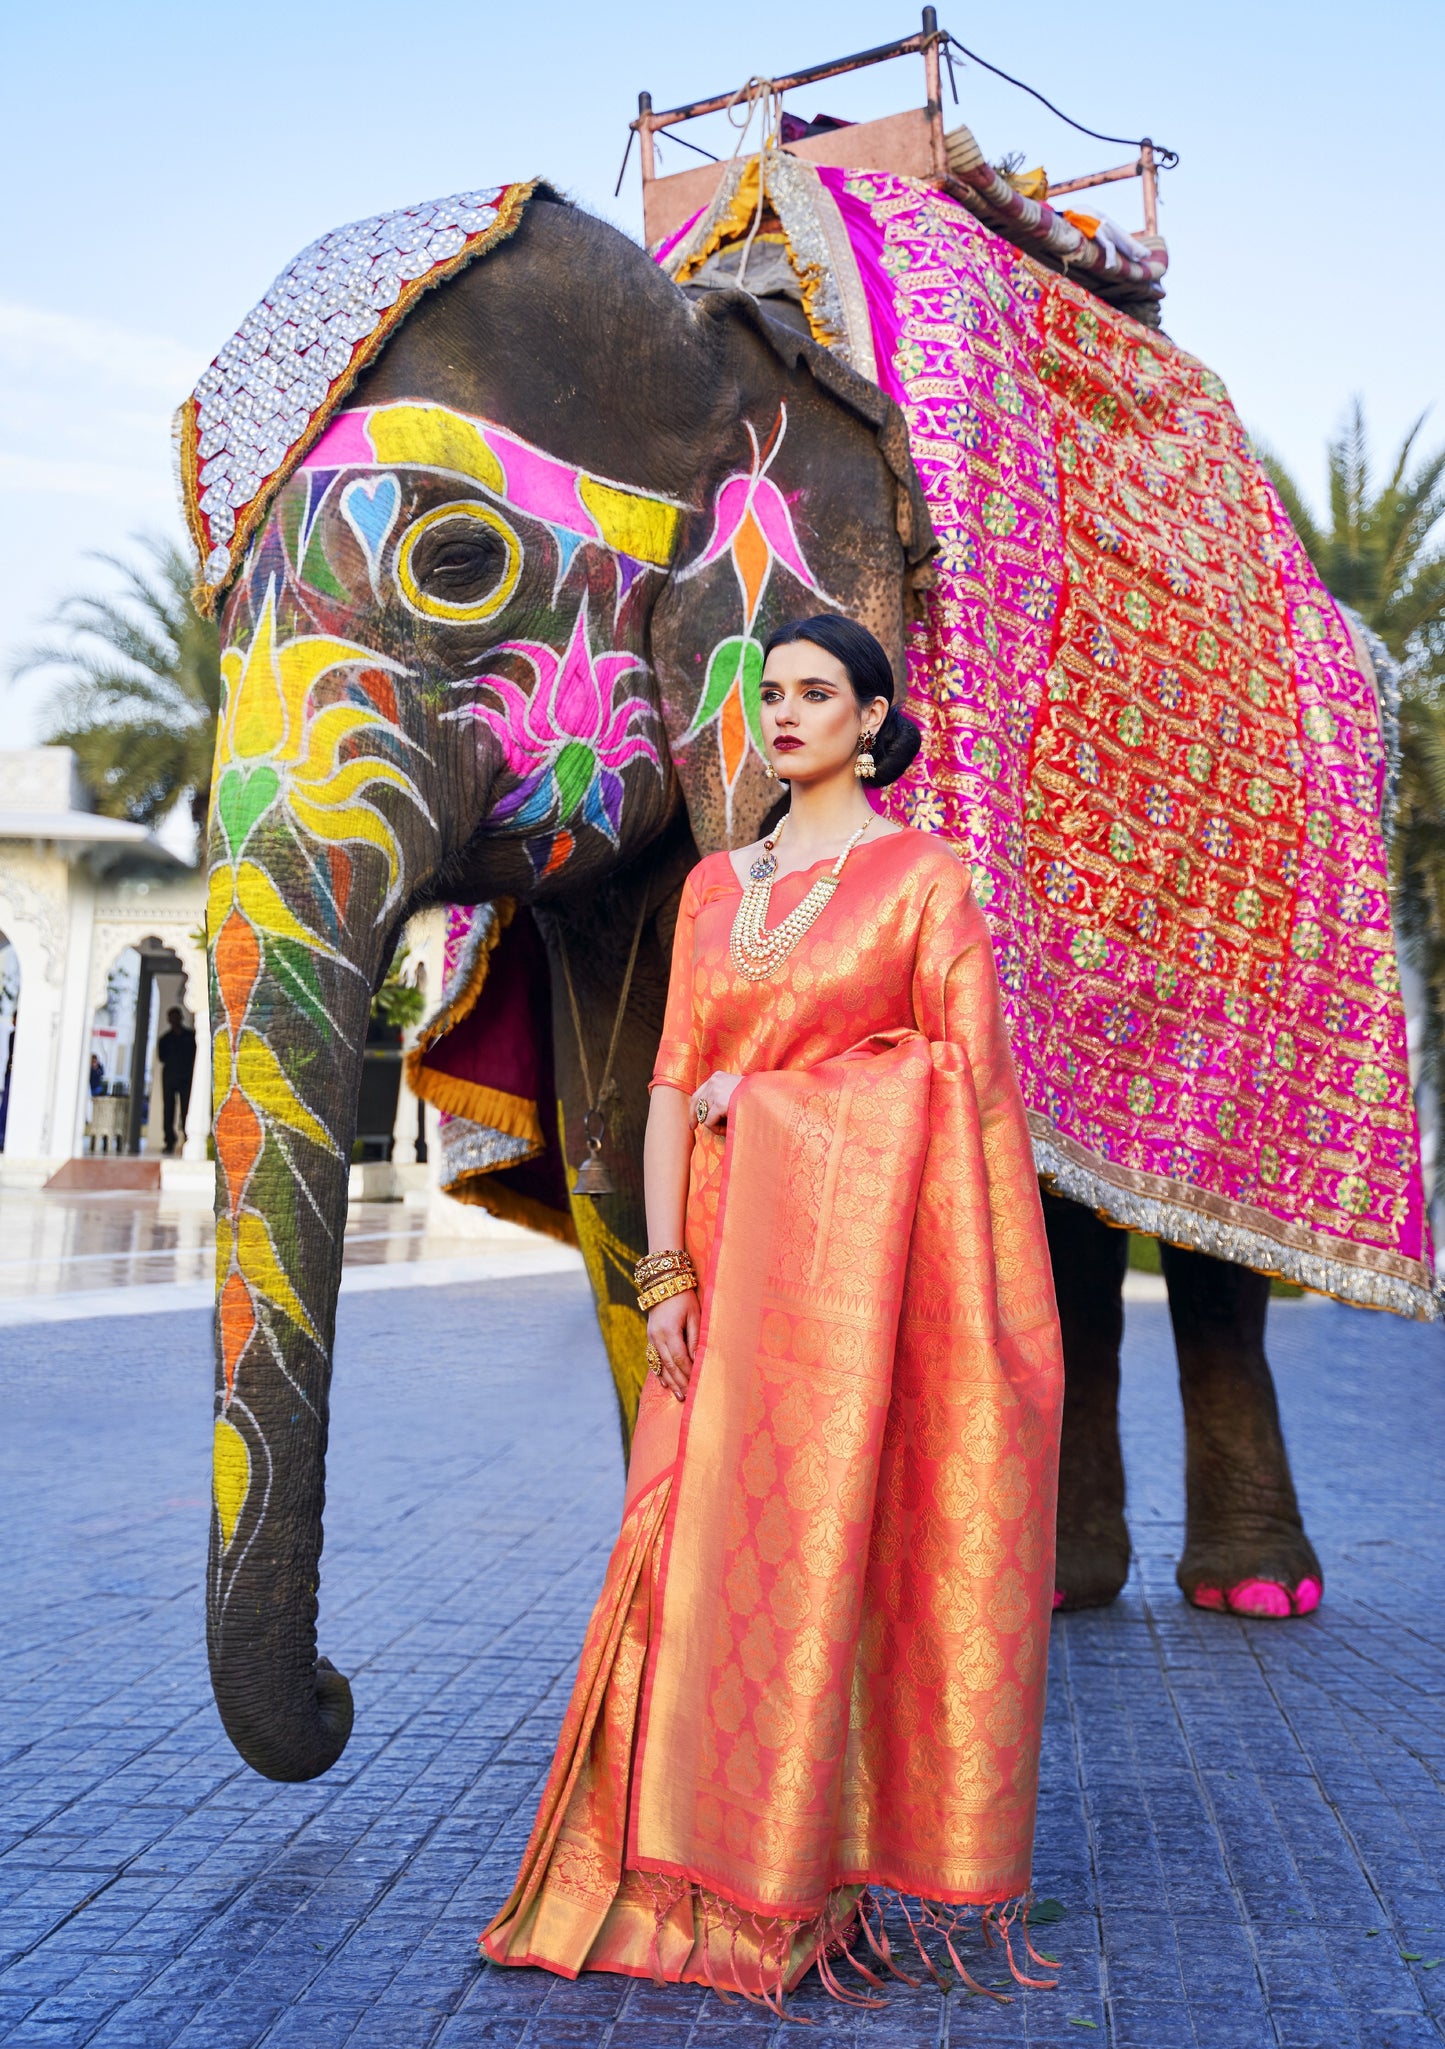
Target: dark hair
871,674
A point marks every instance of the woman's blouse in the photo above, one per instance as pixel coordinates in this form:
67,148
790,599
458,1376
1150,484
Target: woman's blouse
883,956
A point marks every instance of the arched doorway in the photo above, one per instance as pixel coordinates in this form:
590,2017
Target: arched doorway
9,1014
145,984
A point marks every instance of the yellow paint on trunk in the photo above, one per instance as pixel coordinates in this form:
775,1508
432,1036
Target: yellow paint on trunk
230,1475
262,1080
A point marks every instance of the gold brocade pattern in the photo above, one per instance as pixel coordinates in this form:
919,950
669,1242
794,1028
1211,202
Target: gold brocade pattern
860,1487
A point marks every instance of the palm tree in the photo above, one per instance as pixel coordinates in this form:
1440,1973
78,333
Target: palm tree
140,688
1379,554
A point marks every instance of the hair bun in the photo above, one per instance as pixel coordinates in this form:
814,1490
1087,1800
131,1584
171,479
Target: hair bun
896,742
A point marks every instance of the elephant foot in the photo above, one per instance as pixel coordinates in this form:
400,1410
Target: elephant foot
1091,1567
1261,1597
1274,1579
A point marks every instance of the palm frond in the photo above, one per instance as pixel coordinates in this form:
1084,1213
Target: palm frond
137,687
1379,553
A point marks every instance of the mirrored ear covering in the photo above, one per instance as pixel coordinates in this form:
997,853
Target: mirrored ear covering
268,396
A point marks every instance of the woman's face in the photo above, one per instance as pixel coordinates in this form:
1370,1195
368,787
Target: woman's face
811,718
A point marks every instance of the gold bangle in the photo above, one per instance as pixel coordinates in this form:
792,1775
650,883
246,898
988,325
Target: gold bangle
654,1265
658,1267
664,1290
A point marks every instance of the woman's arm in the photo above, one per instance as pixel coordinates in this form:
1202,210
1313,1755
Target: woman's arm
666,1157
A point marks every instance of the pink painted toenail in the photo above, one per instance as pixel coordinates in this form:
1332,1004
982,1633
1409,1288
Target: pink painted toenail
1259,1597
1207,1597
1059,1597
1307,1596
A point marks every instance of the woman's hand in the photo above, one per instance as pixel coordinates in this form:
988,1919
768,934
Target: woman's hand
710,1102
672,1332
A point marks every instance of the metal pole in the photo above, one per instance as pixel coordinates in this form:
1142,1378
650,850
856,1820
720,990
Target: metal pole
644,135
1151,186
934,109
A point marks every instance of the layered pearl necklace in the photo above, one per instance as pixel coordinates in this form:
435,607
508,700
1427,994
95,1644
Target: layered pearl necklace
758,952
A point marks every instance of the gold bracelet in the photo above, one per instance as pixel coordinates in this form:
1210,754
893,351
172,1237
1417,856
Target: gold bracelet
663,1291
655,1266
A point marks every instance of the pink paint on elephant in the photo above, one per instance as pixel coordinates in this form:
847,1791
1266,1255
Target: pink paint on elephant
545,486
345,445
1263,1599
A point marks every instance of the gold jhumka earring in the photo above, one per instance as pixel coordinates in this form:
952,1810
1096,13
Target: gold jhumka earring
865,767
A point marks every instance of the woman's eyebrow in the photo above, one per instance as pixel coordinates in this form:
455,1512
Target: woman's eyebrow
802,683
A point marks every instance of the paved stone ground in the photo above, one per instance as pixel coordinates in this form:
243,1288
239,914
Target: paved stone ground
1243,1821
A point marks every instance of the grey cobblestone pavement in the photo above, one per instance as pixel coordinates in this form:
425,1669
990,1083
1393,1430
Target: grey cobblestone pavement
1242,1821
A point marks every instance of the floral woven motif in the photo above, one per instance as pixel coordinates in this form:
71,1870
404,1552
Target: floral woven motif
1147,725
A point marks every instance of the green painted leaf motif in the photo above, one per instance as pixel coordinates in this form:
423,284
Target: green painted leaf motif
316,570
752,677
294,971
289,511
574,769
242,799
735,657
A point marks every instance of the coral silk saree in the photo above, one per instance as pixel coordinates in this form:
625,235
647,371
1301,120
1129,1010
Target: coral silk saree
817,1662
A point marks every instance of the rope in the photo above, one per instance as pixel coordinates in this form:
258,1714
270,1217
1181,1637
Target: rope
1165,158
757,92
594,1103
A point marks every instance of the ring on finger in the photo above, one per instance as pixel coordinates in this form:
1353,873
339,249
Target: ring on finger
699,1110
654,1361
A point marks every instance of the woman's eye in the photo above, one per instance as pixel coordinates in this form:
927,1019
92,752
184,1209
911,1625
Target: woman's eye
458,562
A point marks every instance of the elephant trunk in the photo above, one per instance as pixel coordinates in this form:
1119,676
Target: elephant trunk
291,993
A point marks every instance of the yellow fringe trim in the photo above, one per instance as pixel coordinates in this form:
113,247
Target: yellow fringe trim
488,1194
454,1097
463,1001
732,226
728,226
451,1093
207,596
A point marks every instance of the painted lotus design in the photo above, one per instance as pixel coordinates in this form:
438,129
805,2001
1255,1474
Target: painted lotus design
752,523
568,739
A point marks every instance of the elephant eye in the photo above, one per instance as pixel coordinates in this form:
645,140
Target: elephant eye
458,562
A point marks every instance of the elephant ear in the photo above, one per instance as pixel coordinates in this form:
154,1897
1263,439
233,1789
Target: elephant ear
811,504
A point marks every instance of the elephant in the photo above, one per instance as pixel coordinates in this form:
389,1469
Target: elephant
463,667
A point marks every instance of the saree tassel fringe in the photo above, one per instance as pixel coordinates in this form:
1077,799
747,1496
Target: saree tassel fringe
783,1951
1017,1912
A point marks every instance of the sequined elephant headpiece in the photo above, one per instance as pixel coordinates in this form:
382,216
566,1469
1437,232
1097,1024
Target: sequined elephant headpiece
267,397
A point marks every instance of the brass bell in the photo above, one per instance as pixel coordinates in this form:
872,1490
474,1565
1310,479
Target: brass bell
592,1176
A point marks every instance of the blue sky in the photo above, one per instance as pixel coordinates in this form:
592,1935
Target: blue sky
160,163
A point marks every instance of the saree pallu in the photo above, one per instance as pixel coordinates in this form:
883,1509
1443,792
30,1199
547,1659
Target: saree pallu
818,1661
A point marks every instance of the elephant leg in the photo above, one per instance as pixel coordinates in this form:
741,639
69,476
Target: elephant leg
1089,1259
1245,1548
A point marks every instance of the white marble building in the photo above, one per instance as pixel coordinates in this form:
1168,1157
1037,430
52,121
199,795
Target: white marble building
78,894
94,914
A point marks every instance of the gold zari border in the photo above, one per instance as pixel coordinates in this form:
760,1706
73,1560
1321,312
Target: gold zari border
1359,1274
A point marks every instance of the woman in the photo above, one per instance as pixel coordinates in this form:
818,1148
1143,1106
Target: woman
816,1668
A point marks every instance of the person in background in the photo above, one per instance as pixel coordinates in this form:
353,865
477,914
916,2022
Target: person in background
97,1075
176,1051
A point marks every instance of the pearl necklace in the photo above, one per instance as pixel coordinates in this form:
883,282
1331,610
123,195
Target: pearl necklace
757,951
